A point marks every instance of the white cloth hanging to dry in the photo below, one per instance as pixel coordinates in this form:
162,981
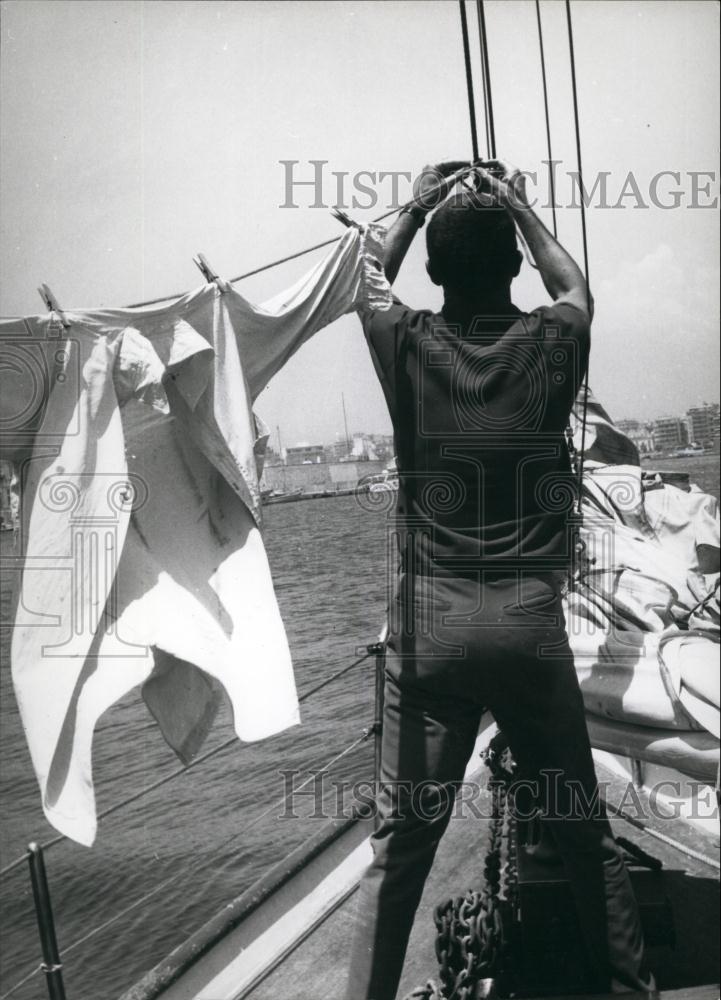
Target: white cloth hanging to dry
143,562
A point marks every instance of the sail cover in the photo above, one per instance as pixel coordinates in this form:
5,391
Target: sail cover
643,616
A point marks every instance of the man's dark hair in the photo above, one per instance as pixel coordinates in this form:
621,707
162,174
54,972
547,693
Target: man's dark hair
471,246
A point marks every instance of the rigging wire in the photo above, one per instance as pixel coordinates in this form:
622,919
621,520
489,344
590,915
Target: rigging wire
490,135
491,147
26,979
488,110
469,79
551,179
584,235
313,773
644,827
486,77
258,270
283,800
182,770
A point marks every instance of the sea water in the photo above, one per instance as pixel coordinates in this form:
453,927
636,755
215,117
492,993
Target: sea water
166,864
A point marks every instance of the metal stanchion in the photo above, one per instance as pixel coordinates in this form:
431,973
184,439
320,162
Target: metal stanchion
51,964
379,650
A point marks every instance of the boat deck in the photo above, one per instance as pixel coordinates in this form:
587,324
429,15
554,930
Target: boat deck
317,967
289,936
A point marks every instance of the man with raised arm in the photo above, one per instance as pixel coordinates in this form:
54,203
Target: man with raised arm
480,395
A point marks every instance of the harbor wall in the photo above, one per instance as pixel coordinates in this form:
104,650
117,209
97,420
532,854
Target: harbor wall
319,476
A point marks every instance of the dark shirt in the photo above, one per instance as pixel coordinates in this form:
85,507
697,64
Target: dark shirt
479,411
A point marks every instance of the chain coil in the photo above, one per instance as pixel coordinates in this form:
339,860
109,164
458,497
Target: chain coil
472,943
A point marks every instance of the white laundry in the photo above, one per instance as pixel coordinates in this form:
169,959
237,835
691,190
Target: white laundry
143,561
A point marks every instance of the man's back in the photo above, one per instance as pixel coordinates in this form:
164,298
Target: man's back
479,410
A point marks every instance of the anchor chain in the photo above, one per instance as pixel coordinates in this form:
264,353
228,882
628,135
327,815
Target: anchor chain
471,943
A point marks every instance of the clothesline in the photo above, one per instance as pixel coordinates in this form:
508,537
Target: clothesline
265,267
209,612
256,270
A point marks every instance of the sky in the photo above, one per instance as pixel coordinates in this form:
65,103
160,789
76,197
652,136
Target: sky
133,135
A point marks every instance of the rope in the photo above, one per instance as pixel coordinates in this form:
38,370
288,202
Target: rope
701,605
486,72
16,987
334,677
172,878
488,111
11,867
264,267
581,457
283,800
254,822
469,79
182,770
121,913
257,270
551,181
676,844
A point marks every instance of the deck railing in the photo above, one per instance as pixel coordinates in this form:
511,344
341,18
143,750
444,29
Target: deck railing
51,965
52,968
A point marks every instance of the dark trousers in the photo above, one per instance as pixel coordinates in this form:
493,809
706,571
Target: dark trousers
456,648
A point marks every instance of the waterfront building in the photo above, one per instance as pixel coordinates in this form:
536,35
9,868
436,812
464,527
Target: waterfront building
702,424
305,454
640,432
669,433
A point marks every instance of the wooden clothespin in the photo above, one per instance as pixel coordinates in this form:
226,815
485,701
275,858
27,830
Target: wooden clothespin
346,220
201,262
51,304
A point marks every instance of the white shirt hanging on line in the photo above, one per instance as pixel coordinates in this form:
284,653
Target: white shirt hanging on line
143,562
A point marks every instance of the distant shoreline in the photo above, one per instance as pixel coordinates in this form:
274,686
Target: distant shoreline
703,470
